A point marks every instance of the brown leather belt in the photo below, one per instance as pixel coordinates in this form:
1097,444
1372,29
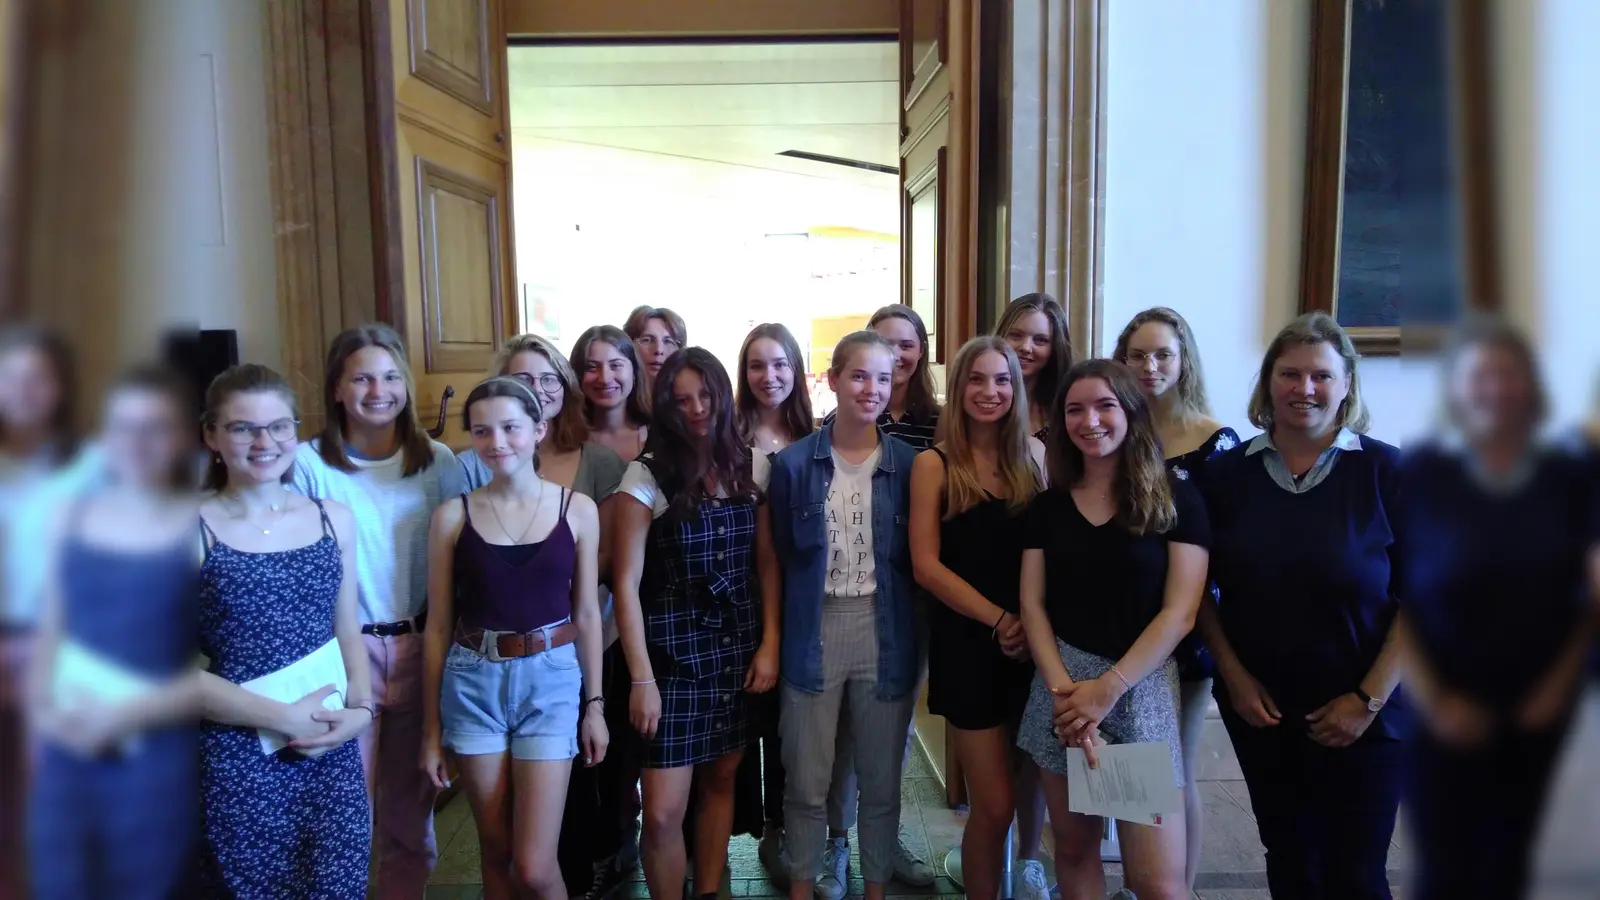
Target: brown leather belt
497,646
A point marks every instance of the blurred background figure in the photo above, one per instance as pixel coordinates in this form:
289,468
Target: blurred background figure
36,439
1498,616
113,805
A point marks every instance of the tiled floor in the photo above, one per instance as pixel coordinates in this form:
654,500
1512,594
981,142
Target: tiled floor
1233,867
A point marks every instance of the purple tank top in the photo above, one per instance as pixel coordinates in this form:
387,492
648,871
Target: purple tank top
515,587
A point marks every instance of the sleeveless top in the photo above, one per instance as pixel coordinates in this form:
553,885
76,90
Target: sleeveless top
137,609
983,546
515,587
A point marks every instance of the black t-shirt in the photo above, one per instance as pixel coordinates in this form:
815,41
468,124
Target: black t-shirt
1103,585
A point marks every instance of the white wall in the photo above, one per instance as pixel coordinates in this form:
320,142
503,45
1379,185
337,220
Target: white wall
1205,130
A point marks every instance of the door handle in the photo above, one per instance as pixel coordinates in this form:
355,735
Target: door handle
444,411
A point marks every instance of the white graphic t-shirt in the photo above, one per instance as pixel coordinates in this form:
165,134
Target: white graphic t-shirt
851,572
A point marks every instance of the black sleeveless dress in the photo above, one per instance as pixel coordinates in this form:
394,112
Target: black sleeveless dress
970,681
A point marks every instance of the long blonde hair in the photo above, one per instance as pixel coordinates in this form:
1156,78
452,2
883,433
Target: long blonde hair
963,489
1192,401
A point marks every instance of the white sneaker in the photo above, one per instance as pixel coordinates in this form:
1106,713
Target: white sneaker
833,883
910,869
1031,883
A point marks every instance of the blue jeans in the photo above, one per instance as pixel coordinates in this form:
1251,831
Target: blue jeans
528,705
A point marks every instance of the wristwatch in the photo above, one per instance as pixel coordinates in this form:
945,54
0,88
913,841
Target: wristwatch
1374,704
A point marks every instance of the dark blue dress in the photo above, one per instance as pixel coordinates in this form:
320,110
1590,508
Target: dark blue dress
1194,663
121,825
275,826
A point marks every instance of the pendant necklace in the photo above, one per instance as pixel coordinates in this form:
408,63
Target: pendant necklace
244,513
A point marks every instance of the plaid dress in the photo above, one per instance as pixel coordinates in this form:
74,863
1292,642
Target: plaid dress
702,626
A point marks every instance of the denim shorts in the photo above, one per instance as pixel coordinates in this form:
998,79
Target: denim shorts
528,705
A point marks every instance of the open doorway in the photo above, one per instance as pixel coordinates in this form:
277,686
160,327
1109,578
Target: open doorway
733,182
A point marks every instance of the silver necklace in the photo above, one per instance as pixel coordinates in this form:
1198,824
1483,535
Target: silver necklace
506,531
244,512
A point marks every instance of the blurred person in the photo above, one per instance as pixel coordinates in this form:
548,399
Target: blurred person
911,415
1500,534
657,333
591,842
616,388
38,444
698,609
115,797
1035,326
512,672
1113,568
282,787
968,495
375,458
851,645
774,411
1159,348
1304,519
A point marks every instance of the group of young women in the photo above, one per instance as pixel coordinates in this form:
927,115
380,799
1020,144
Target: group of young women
650,587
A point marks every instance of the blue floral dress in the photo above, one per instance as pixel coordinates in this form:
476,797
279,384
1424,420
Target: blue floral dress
280,826
1194,660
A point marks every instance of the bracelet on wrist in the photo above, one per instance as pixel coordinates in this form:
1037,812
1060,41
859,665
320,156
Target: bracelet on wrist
641,683
994,632
1121,677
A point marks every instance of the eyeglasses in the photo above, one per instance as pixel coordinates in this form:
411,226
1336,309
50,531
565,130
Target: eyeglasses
649,340
549,382
1162,357
282,431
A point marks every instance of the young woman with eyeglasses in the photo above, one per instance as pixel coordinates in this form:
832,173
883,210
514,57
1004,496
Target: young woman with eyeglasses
1160,350
281,782
375,457
592,836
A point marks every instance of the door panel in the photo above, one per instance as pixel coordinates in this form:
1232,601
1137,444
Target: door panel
450,69
453,174
449,46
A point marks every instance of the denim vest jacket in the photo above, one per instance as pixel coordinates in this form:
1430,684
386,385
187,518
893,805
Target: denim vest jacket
797,498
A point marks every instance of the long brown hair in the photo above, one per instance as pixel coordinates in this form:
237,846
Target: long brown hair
570,428
920,398
682,462
1049,377
1192,400
245,378
1142,487
49,344
637,406
416,448
795,411
1311,328
1022,479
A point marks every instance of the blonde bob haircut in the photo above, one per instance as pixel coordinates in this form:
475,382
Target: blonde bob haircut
1018,472
1311,328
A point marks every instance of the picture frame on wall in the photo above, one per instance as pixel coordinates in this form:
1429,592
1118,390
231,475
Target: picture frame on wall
1397,237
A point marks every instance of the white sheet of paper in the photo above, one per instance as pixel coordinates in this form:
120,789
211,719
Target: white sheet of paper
323,666
83,677
1133,782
